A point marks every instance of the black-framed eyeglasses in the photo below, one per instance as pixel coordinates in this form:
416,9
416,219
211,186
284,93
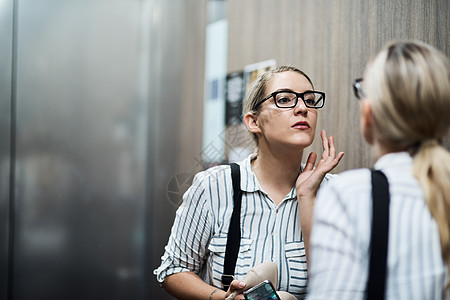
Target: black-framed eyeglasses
289,99
357,89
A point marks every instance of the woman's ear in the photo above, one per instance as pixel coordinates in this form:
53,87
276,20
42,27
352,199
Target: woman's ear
367,121
251,122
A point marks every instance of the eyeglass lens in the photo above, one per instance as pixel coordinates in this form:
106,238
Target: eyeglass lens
357,88
289,99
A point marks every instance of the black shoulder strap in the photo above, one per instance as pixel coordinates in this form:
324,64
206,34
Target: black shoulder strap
234,231
379,237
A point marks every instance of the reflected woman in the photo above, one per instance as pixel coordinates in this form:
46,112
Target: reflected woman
280,111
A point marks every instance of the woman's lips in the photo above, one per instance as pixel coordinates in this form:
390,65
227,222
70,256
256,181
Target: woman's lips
301,125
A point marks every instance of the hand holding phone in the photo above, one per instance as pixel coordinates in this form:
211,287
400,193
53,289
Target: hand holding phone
262,291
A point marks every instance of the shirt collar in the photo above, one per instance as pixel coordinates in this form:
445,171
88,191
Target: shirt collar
249,182
393,160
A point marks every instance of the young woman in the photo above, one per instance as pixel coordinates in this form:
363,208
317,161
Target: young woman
405,111
281,112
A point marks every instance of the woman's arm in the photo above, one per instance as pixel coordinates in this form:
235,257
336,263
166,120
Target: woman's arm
187,285
309,180
186,249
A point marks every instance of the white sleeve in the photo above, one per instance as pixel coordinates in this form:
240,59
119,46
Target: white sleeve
190,233
338,265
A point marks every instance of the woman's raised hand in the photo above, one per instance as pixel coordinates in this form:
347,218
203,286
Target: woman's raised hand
309,180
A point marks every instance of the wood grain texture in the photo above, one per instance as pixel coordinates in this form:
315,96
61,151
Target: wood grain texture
190,105
332,41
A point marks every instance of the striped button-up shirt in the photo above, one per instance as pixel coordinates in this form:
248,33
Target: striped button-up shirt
341,236
268,232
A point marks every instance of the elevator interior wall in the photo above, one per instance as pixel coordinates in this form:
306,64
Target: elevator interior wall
90,89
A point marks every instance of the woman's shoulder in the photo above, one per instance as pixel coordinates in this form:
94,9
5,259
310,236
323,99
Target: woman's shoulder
354,174
206,183
349,180
212,171
348,175
347,193
212,174
222,172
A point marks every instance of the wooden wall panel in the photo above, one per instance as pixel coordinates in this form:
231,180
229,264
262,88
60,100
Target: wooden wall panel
190,109
331,41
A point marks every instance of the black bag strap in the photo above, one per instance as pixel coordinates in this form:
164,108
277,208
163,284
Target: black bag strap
234,231
379,236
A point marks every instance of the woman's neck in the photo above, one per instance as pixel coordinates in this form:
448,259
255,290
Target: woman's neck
277,172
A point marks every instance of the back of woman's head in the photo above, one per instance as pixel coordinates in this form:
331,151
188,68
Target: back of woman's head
408,86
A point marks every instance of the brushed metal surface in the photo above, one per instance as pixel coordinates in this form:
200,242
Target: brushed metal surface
108,96
6,59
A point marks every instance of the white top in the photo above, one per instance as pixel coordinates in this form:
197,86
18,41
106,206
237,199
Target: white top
269,233
341,236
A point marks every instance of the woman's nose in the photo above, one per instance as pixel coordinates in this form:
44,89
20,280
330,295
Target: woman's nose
300,108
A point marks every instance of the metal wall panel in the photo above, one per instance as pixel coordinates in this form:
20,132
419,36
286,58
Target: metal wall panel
104,102
6,46
81,150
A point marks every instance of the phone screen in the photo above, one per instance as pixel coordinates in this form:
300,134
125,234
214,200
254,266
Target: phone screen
262,291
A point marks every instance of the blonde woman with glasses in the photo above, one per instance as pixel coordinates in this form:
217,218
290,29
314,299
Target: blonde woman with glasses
405,113
280,111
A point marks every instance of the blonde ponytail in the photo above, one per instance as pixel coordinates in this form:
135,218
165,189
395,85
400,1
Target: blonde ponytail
431,167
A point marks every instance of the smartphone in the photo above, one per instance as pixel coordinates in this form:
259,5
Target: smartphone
262,291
